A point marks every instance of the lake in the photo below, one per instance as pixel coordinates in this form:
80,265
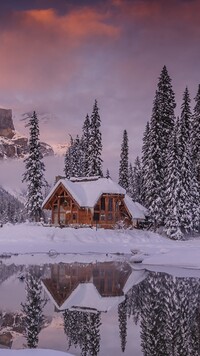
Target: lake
102,308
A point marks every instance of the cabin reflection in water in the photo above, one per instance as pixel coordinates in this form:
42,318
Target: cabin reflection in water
98,286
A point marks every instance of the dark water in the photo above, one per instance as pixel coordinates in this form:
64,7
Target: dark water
106,308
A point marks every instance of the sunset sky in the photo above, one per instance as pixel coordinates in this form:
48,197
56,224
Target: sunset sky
57,56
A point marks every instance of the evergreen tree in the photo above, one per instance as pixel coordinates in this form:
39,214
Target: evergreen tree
154,163
184,151
130,189
95,143
172,192
85,144
68,160
145,165
137,181
195,136
32,309
34,174
154,174
123,165
167,105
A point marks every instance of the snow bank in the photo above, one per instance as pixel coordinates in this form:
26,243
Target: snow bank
150,248
32,352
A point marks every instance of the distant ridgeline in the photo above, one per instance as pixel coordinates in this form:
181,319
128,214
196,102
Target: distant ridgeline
11,209
12,144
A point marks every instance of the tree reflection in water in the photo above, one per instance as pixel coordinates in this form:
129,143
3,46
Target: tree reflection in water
168,309
82,329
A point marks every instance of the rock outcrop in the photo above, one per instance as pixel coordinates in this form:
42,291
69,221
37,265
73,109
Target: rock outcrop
6,123
12,144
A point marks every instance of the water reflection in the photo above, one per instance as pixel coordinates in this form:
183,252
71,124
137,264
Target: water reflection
166,309
94,287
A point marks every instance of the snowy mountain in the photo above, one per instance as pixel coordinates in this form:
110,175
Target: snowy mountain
12,143
60,149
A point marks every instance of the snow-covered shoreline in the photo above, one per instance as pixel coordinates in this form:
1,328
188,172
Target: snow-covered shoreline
32,352
151,248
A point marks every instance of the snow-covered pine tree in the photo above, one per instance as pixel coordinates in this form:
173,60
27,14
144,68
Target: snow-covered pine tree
130,189
195,148
95,143
11,209
154,165
85,145
167,105
33,310
123,164
195,136
74,158
68,160
154,171
172,192
137,181
185,157
145,165
34,174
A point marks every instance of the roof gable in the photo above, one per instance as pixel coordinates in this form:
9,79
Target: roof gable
86,192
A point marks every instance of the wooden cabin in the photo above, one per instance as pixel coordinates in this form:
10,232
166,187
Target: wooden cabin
91,201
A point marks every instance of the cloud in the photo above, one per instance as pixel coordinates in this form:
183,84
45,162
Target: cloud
59,61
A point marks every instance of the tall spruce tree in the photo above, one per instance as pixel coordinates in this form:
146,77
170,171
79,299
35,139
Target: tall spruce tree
167,105
130,189
34,174
195,137
154,173
172,192
155,165
137,181
145,165
185,157
85,145
95,143
123,164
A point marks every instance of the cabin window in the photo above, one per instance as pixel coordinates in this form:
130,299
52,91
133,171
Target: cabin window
110,216
96,217
109,285
117,205
74,216
102,217
97,207
103,206
62,199
110,204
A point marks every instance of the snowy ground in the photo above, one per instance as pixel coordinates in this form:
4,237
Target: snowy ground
36,352
149,248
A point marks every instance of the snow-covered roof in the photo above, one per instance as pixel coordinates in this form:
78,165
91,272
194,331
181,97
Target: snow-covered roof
86,191
135,209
